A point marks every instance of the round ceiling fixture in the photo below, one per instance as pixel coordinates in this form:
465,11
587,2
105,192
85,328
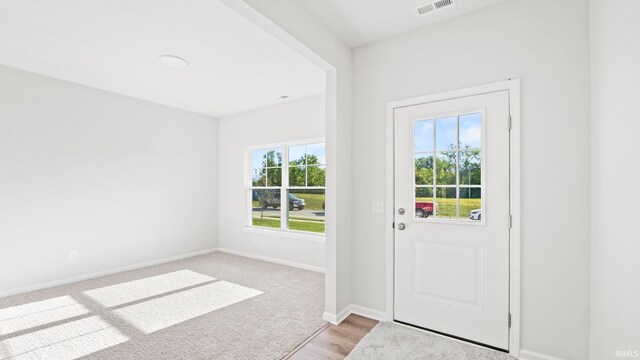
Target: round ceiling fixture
173,61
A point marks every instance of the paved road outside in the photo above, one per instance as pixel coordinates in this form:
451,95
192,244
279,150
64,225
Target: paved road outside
308,214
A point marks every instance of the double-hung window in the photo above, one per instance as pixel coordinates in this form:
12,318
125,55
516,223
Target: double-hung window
287,186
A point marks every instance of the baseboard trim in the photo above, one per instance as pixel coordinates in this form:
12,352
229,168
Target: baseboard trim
368,313
343,314
532,355
330,318
273,260
354,309
337,319
102,273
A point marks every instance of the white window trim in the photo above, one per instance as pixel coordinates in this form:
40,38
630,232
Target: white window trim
284,189
304,235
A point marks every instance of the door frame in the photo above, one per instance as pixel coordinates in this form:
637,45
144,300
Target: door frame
513,86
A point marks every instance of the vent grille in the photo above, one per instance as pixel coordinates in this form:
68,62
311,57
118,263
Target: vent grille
433,6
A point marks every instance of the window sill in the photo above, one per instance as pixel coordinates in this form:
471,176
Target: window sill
285,233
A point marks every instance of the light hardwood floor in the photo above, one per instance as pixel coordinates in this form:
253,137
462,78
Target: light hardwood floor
334,342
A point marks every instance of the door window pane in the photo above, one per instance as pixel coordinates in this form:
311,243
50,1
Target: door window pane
446,168
424,204
471,131
470,167
423,136
424,169
424,193
447,202
471,203
446,133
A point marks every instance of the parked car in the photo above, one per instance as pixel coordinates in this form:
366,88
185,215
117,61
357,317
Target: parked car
424,209
274,201
475,214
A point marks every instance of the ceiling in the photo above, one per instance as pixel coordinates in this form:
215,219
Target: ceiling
359,22
114,45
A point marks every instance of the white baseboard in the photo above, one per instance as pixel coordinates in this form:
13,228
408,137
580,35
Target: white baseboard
368,313
102,273
532,355
330,318
337,319
343,314
273,260
151,263
354,309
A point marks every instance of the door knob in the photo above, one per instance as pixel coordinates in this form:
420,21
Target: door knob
401,226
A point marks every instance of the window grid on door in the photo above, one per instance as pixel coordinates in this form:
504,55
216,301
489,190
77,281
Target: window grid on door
448,156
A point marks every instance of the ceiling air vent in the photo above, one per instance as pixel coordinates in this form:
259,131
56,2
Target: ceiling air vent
433,6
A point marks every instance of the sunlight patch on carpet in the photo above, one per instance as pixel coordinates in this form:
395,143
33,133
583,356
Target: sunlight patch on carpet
127,292
38,313
160,313
67,341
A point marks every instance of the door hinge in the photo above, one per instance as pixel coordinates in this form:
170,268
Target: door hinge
509,319
393,225
509,123
510,221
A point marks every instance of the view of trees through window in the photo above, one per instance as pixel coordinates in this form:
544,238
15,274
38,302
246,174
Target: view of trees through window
448,167
298,183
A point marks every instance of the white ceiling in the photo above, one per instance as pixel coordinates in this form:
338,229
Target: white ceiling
114,45
359,22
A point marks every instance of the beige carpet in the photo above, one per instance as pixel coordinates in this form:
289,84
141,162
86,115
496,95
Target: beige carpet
389,341
215,306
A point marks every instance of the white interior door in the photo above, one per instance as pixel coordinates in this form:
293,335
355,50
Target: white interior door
452,217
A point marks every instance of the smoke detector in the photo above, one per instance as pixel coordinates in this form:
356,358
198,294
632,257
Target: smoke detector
433,6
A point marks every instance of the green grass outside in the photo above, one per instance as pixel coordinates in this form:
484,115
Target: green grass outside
305,219
312,202
312,226
447,207
266,223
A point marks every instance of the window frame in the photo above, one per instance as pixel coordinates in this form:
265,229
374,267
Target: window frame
284,190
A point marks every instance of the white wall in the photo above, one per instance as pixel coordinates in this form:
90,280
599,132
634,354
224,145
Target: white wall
615,177
296,120
544,43
292,23
120,180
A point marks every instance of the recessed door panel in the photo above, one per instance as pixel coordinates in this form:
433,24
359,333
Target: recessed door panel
448,273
